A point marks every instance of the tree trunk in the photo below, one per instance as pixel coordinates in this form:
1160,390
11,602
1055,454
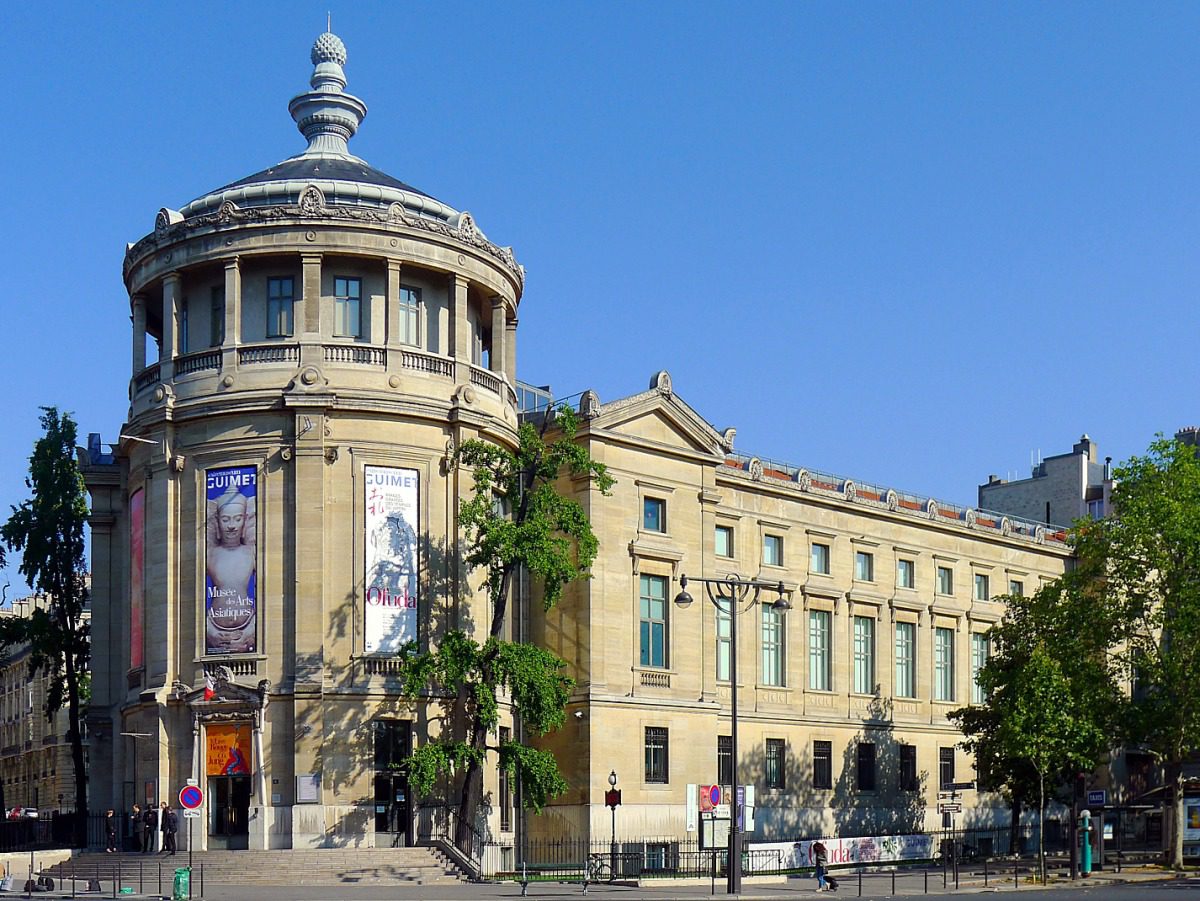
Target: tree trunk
1176,781
76,738
1042,827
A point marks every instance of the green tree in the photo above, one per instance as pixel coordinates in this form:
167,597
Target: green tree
1143,565
514,520
48,530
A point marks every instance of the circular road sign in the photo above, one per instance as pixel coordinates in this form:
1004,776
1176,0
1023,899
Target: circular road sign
714,795
191,797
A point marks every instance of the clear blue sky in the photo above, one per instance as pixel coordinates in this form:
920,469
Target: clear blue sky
907,243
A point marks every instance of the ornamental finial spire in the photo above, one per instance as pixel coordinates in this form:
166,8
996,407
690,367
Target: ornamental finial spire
327,116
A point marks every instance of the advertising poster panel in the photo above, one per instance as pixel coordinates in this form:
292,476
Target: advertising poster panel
230,582
227,749
867,849
1191,819
137,568
391,499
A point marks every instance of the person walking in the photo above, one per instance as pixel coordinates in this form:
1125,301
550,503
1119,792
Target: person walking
170,826
110,829
149,826
820,857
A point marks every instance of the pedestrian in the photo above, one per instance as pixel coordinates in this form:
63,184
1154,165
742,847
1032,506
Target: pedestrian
110,828
148,826
135,825
820,857
170,826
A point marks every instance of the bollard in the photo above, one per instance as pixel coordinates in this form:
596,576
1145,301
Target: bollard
860,869
1016,877
893,880
160,877
120,881
985,872
927,880
140,889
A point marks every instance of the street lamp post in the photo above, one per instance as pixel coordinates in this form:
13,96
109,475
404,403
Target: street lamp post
612,798
731,594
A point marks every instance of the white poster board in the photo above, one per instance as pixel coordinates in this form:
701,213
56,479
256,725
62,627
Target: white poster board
392,514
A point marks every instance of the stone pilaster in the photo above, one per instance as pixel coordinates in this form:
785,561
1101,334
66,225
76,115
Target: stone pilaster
139,333
499,353
510,357
233,315
171,299
309,317
460,326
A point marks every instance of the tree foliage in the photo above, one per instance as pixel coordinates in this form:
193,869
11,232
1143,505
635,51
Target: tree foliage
514,519
48,530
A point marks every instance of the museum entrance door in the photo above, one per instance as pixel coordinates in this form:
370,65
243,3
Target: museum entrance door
393,800
229,812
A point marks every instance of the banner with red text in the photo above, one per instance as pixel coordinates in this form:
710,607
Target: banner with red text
392,496
231,560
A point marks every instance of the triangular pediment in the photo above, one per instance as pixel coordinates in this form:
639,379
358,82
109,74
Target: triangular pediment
659,419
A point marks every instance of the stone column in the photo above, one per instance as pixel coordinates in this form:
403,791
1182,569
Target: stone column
308,318
172,297
233,314
394,358
499,353
510,358
460,327
139,333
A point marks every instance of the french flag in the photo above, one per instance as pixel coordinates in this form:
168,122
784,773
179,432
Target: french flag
210,687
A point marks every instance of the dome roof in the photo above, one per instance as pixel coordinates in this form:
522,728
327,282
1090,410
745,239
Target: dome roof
327,117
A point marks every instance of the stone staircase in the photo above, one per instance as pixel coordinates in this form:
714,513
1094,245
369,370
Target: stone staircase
332,866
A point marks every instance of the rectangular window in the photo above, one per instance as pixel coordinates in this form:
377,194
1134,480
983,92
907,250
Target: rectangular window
906,574
504,786
906,660
772,646
724,627
410,315
347,305
908,768
866,767
656,755
1016,588
723,542
773,550
945,767
653,613
864,566
943,664
183,327
945,580
217,316
820,559
776,754
818,650
822,764
724,760
654,514
864,655
279,307
982,591
979,657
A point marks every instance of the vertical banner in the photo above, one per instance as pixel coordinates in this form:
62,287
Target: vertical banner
231,573
391,496
137,588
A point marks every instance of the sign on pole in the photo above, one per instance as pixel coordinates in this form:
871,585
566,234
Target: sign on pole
1097,798
191,797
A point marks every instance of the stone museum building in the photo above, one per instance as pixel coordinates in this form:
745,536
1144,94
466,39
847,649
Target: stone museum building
309,345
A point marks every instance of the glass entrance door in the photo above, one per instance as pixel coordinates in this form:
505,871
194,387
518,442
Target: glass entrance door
229,812
393,800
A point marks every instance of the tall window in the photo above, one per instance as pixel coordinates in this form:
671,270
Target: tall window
979,657
822,764
654,514
908,768
866,767
820,559
773,550
772,646
279,307
724,760
943,664
864,655
724,627
656,755
864,566
347,306
183,327
982,589
216,314
410,308
906,660
945,767
653,612
504,786
818,650
1016,588
906,574
945,580
723,541
776,753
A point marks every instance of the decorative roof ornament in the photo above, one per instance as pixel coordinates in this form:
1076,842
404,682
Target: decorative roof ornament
327,116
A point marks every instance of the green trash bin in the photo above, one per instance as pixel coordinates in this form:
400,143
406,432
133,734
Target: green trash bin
182,889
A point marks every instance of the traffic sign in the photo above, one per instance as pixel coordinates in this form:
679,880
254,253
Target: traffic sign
1097,798
949,807
191,797
192,814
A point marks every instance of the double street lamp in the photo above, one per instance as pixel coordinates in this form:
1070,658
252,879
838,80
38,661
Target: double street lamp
733,595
